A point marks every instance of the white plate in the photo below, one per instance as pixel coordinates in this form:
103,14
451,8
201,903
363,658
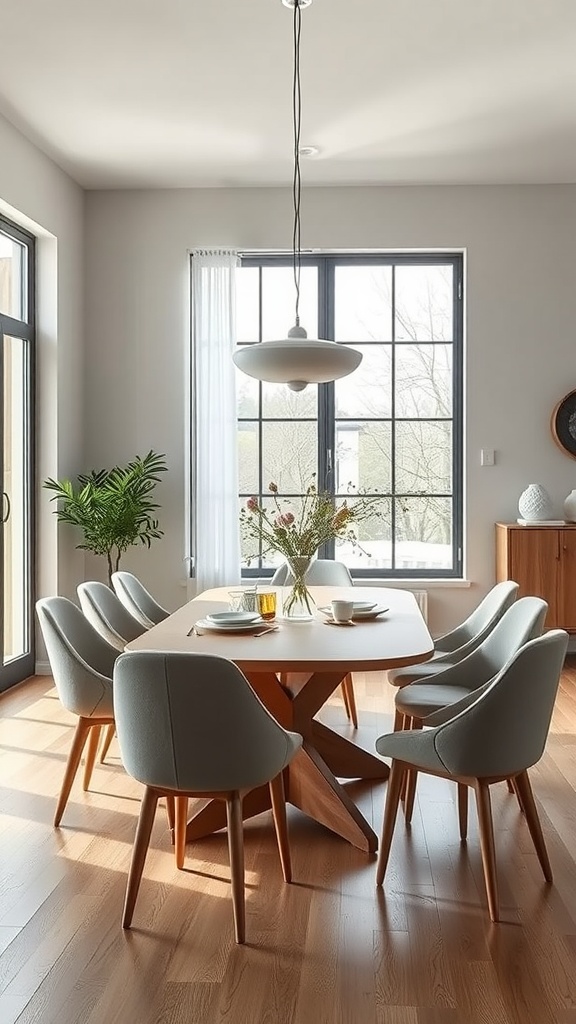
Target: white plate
233,618
368,613
363,606
372,614
234,627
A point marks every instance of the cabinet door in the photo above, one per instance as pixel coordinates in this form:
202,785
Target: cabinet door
567,580
534,564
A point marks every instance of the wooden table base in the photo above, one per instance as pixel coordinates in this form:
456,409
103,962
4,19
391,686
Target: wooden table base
311,778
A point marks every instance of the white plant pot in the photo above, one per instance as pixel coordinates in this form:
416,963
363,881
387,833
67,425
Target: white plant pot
534,503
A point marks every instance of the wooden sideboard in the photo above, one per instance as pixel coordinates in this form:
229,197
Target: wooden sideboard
542,560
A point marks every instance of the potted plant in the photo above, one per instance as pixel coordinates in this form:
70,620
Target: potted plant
112,507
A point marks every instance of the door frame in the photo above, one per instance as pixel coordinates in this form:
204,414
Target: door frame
22,666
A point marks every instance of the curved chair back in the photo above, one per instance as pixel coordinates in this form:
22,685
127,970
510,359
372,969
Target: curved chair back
193,722
82,662
470,633
105,611
323,572
504,732
522,622
137,600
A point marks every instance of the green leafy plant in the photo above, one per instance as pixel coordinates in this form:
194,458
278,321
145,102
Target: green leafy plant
113,507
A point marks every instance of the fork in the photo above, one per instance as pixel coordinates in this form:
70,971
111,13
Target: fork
271,629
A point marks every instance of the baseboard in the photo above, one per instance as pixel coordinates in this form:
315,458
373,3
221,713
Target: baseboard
42,668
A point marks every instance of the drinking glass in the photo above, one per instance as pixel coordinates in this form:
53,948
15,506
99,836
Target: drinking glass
242,600
266,604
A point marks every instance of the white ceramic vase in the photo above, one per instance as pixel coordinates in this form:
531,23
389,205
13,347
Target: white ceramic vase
570,507
534,503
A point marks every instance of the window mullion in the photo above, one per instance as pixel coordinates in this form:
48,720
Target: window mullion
326,424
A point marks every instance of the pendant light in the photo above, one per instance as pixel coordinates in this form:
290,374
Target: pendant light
297,360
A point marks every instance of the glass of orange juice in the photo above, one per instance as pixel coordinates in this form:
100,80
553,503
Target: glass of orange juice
266,604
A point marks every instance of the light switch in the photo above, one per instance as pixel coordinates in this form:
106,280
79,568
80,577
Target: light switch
487,456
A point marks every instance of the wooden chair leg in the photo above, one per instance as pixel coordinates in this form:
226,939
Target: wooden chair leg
395,785
141,844
344,695
510,786
410,784
411,780
350,699
482,792
93,741
181,804
398,720
518,796
171,813
526,796
236,848
80,737
108,737
463,810
278,800
406,724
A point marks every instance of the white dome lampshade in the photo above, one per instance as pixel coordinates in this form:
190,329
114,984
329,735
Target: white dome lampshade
297,360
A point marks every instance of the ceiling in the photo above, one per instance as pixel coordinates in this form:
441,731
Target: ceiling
181,93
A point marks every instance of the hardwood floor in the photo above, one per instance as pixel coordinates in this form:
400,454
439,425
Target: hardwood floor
328,949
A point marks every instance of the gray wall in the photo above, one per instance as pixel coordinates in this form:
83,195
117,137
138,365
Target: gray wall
520,245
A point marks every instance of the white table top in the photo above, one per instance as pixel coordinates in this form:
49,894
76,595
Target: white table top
398,637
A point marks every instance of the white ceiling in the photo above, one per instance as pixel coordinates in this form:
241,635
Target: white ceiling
179,93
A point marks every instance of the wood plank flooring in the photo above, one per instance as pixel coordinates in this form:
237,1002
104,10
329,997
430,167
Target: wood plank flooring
328,949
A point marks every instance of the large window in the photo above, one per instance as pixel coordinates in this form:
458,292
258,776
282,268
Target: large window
393,427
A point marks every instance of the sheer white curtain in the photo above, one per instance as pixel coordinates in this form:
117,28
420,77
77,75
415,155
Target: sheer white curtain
215,471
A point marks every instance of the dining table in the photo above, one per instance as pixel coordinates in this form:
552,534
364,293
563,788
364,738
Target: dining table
294,669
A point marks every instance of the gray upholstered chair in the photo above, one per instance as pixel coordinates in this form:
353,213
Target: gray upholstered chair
190,725
326,572
105,611
82,664
323,572
523,621
499,735
463,639
137,600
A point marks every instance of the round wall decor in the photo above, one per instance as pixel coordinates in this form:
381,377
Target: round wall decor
563,424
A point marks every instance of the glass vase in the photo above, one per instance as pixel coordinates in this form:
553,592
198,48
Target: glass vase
298,603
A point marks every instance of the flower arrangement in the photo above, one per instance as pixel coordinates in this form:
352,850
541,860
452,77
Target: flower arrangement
298,535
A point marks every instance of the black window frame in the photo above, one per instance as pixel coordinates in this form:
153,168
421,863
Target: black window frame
326,265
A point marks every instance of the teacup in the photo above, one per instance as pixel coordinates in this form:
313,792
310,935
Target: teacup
342,611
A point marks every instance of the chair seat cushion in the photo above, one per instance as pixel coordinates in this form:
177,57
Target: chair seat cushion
420,701
415,746
412,673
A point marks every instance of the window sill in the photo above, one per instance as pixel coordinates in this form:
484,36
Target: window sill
414,584
399,584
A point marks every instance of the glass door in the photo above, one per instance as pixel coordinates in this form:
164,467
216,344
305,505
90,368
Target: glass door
16,454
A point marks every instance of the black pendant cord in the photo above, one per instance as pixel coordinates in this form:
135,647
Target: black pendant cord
296,182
